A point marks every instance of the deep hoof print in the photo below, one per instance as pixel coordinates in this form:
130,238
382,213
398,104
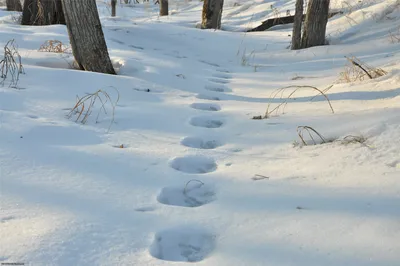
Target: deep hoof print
199,143
208,97
206,106
183,243
218,80
193,194
207,122
194,164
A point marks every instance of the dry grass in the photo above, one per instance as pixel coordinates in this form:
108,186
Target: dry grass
356,70
280,92
11,64
85,106
310,136
351,139
55,46
313,135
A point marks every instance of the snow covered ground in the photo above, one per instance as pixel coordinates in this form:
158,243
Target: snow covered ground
184,175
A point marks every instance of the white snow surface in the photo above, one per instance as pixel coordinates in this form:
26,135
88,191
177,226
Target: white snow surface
184,175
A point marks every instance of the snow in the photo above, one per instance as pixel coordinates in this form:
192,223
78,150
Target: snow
181,174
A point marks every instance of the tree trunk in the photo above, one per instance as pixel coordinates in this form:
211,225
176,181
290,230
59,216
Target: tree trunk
298,21
212,13
86,36
113,8
42,12
14,5
164,8
315,23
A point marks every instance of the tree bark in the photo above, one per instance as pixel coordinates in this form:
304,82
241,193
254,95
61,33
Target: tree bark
298,21
315,23
13,5
113,8
42,12
164,8
212,13
86,36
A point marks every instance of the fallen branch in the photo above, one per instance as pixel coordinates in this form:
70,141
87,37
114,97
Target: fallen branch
371,72
269,23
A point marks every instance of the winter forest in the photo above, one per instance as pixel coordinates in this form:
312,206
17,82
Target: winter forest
200,132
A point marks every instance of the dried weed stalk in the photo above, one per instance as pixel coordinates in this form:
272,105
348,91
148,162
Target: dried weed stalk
11,64
353,139
279,93
85,105
312,133
357,70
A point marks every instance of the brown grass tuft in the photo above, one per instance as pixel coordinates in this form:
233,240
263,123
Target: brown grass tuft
84,106
55,46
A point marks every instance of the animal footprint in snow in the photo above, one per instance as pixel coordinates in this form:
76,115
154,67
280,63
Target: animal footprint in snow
206,106
194,194
205,121
193,164
199,143
183,243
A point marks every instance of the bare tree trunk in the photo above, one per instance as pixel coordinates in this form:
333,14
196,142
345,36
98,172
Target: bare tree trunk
212,13
14,5
86,36
315,24
42,12
113,8
164,8
298,21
